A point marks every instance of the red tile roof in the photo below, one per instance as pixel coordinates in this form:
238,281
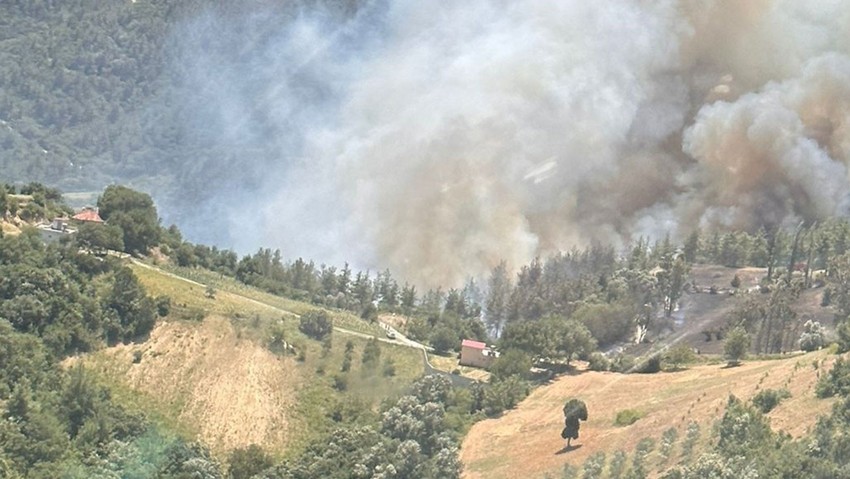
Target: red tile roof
88,214
468,343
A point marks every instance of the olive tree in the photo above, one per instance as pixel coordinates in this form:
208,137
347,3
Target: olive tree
575,410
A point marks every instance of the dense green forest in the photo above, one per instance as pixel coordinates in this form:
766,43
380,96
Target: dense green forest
93,93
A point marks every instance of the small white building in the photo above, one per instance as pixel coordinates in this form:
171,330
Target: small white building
54,231
476,354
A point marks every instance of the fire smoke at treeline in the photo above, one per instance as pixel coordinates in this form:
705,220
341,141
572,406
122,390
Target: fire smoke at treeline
438,138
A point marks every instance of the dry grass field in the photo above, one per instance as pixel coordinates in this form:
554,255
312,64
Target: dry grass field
526,442
225,391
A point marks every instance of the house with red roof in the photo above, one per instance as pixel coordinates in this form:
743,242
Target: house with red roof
88,215
476,354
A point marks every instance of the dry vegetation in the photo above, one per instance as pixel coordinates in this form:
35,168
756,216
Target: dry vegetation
226,391
525,442
216,380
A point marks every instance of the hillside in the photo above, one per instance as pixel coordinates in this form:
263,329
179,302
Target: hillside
226,391
218,380
525,442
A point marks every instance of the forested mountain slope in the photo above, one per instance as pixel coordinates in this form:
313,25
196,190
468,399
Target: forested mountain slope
94,92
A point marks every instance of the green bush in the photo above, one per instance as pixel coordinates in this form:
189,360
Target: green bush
316,324
768,399
389,368
649,365
627,417
836,382
623,364
512,362
599,362
340,382
163,306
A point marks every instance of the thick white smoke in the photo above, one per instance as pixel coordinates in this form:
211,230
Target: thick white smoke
469,132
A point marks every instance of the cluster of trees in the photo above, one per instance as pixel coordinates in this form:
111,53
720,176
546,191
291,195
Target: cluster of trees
592,297
46,202
415,438
133,223
585,298
133,214
71,91
744,445
51,292
56,301
806,249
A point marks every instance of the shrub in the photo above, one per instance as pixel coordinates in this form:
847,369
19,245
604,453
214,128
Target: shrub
617,465
836,382
248,462
736,282
691,437
512,362
642,450
389,368
371,354
650,365
599,362
736,346
768,399
623,364
593,467
340,382
627,417
503,395
678,355
194,314
316,324
163,306
826,299
444,340
668,439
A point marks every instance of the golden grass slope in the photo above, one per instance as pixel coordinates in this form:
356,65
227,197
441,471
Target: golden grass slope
228,392
526,442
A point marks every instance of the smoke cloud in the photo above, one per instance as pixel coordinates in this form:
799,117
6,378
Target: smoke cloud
438,138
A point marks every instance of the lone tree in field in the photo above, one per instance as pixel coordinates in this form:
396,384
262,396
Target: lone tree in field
575,410
737,344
